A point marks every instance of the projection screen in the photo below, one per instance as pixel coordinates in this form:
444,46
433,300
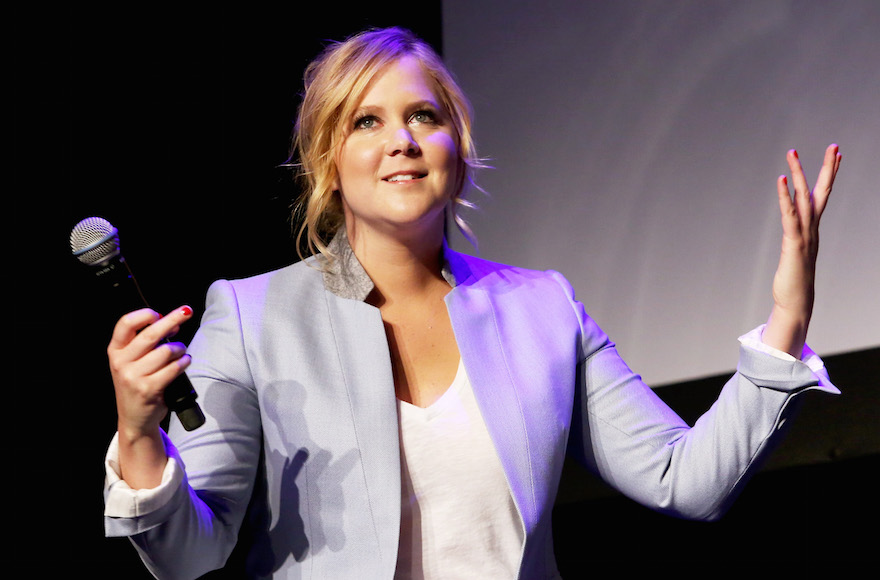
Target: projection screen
635,147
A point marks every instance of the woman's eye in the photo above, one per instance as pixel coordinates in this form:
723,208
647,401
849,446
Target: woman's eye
423,117
366,122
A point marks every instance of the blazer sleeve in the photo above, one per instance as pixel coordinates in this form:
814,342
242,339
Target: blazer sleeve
196,529
627,435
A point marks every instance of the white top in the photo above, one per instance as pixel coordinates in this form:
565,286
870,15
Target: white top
458,519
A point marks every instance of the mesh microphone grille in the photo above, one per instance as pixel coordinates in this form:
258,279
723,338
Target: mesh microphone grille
94,241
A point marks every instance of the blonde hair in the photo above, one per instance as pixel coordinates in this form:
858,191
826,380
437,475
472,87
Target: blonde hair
334,85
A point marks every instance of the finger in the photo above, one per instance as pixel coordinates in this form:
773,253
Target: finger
827,175
798,179
163,364
802,196
790,223
149,330
129,325
166,327
150,374
166,375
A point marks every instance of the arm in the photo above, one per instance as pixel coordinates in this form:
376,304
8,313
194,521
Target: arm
625,433
189,524
622,431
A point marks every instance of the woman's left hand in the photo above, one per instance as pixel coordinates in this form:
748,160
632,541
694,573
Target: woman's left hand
793,284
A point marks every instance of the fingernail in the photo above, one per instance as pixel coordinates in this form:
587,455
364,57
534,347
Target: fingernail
794,152
186,311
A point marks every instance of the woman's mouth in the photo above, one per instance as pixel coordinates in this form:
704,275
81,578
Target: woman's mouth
408,176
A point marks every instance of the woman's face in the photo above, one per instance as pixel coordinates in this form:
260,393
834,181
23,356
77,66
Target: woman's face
398,165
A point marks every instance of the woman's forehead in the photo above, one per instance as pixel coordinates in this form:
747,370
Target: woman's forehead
405,78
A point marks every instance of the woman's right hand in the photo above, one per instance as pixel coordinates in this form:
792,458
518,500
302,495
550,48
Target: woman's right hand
141,366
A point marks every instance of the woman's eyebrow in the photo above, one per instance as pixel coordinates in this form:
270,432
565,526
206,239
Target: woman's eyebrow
409,108
422,104
366,109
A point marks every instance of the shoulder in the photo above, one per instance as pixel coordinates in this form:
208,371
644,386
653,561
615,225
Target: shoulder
254,296
475,272
299,276
543,297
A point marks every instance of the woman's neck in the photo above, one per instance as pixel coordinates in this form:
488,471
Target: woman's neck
401,268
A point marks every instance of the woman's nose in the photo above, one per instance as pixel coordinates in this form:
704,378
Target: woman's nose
402,142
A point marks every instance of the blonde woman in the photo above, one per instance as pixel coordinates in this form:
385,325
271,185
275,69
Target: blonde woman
389,408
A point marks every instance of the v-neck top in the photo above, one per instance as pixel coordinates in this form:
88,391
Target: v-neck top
457,513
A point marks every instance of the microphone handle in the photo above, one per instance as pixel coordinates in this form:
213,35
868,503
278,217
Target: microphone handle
180,397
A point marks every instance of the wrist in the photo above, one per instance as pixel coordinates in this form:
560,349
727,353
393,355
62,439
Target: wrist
142,457
786,331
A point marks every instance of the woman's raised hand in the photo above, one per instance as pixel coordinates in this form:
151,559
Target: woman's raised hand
794,282
142,365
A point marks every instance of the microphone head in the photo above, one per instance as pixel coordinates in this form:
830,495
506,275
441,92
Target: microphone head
94,241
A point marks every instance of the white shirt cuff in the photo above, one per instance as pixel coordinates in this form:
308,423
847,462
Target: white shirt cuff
121,501
753,339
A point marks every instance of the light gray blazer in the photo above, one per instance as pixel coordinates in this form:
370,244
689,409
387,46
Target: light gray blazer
301,441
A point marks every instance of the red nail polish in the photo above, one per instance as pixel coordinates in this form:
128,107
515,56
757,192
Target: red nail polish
186,310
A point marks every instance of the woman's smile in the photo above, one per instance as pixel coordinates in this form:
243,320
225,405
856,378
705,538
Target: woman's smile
405,177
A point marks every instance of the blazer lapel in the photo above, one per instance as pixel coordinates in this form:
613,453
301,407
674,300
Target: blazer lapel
473,316
366,366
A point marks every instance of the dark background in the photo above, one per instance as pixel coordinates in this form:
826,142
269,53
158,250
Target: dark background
171,124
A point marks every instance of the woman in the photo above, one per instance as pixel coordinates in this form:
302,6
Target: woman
390,408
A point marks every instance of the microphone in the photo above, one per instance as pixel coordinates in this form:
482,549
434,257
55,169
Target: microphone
95,242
